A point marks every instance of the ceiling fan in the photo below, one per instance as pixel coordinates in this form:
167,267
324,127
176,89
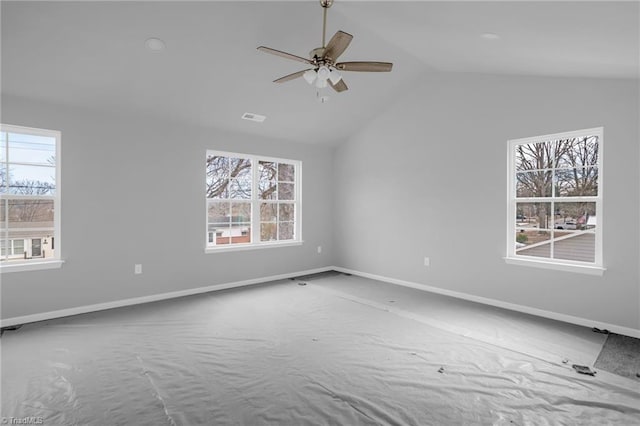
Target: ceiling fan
323,60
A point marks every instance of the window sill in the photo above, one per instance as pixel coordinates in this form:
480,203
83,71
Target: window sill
31,266
567,267
251,247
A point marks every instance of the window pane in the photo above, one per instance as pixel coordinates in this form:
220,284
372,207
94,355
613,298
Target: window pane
268,170
217,176
534,156
3,217
268,190
28,219
240,168
228,177
286,172
240,212
268,231
219,213
532,235
533,184
577,182
239,189
18,246
578,152
287,212
3,178
218,189
531,242
239,233
579,246
32,180
3,146
267,184
31,213
285,231
268,212
533,216
32,149
575,216
286,191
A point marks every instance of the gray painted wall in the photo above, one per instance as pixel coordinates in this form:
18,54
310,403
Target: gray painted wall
133,192
428,178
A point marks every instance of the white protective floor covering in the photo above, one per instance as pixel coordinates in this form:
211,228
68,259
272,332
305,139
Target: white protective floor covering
338,351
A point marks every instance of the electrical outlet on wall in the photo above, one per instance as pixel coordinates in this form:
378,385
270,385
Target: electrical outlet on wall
427,261
137,268
319,249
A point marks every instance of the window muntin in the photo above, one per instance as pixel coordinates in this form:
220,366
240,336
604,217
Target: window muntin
12,248
251,201
29,195
555,198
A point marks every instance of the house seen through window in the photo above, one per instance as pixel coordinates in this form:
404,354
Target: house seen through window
29,195
251,201
555,205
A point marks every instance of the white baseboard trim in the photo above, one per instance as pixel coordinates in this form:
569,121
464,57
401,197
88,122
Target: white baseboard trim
498,303
8,322
152,298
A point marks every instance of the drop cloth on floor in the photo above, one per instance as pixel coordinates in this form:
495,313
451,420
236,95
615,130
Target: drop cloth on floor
545,338
284,354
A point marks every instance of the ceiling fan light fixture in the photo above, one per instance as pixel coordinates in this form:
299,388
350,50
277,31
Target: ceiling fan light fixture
335,77
323,73
310,76
320,83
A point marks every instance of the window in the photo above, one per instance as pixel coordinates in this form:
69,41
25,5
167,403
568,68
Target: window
555,201
29,198
12,248
251,201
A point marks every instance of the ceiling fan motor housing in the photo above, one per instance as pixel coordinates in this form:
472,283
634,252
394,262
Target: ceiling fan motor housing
326,3
317,53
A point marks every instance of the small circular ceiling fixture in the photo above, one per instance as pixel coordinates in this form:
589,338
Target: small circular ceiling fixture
155,44
490,36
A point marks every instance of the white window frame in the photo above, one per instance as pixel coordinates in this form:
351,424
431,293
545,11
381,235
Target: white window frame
255,206
11,249
54,262
595,268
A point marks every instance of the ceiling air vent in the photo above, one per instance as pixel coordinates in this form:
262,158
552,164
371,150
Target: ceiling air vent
253,117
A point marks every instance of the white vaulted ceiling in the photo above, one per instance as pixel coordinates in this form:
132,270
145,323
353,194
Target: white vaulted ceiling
93,55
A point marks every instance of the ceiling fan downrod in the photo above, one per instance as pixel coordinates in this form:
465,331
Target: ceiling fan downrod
326,4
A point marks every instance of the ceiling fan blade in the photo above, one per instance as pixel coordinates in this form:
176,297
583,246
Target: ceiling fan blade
284,54
364,66
290,76
338,44
340,86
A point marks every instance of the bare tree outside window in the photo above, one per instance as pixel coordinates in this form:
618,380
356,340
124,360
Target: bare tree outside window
236,186
28,193
556,187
